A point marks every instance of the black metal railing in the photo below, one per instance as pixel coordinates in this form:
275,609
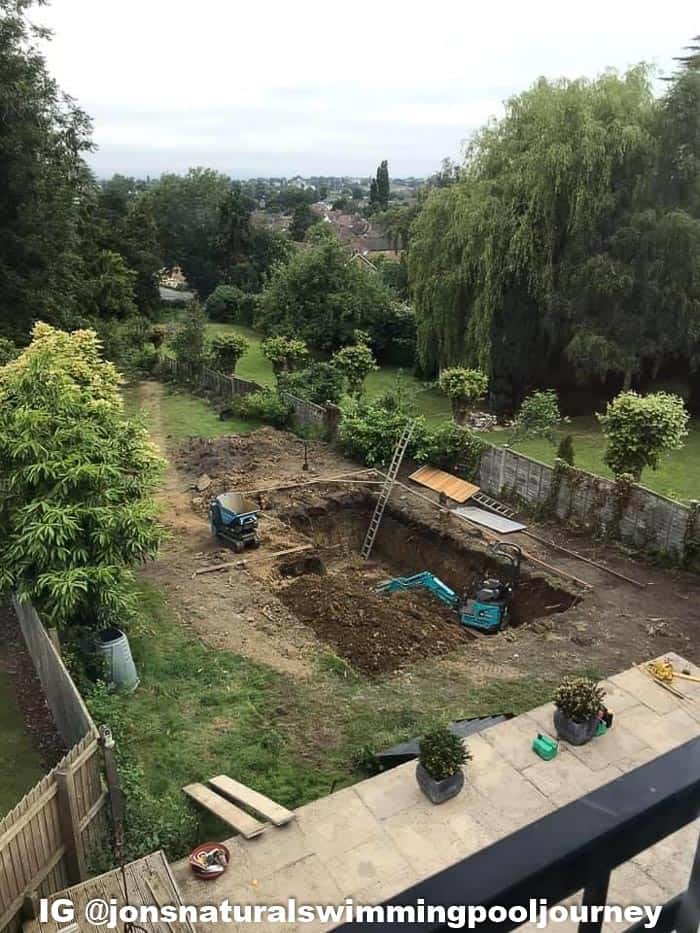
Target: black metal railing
576,847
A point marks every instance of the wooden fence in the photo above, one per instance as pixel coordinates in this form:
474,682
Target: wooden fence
70,714
46,840
226,386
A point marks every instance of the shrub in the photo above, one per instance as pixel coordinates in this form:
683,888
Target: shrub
226,351
77,513
189,340
319,382
230,304
8,351
463,387
355,363
565,451
448,446
285,353
263,405
639,429
579,698
442,753
538,416
370,431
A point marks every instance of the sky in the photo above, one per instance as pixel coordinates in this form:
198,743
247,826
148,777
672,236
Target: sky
327,88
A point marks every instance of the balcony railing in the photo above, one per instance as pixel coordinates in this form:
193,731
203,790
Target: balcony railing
577,847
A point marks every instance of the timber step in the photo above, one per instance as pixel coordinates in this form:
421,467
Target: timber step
247,797
237,819
493,505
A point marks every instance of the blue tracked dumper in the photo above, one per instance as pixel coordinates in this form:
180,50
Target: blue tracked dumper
234,520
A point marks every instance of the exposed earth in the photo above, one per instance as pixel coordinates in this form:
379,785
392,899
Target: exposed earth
287,612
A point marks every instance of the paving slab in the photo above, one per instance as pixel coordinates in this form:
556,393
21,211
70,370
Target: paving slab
382,835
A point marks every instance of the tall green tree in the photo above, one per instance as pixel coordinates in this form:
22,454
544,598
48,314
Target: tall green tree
77,512
554,252
319,296
43,179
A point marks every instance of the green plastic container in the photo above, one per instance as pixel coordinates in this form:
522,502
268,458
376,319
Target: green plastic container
545,747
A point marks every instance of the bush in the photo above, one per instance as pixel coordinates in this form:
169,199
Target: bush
565,451
538,416
449,446
355,363
189,340
78,512
442,753
263,405
8,351
285,353
639,429
370,431
463,387
226,351
579,698
230,304
319,382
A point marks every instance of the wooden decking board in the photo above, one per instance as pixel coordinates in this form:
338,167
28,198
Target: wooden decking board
440,481
247,797
238,819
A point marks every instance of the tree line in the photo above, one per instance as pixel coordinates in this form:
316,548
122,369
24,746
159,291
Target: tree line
566,250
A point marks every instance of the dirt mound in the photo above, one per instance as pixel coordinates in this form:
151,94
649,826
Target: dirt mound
266,454
373,633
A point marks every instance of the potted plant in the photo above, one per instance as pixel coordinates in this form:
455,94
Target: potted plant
439,769
579,705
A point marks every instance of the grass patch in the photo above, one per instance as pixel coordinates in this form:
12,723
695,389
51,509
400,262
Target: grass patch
677,476
252,365
199,712
185,415
20,764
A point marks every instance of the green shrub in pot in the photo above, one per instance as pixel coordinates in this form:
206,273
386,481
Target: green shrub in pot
579,702
439,770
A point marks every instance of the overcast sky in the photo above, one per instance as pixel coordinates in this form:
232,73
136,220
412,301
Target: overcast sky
322,87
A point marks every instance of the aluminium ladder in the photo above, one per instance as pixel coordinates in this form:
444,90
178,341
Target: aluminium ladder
389,480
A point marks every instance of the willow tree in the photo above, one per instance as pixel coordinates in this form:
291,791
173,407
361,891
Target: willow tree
494,257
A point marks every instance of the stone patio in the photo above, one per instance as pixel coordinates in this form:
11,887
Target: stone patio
382,835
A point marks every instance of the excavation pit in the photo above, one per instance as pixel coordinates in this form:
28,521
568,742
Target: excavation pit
379,633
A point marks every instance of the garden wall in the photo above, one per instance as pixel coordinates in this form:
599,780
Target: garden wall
632,514
46,839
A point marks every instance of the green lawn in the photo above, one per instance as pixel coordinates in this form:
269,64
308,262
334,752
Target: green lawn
200,711
20,762
186,415
253,365
678,475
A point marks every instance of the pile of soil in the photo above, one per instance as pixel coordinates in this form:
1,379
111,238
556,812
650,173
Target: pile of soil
375,634
266,454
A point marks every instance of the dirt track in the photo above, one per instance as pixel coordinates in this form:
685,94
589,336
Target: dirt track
250,610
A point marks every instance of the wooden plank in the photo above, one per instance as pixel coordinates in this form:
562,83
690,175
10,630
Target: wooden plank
247,797
257,560
70,825
440,481
238,819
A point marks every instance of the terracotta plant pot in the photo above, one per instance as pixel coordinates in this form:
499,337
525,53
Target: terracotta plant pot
575,733
439,791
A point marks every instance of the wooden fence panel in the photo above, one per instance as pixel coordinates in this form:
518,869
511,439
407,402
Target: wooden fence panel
33,848
67,706
34,853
